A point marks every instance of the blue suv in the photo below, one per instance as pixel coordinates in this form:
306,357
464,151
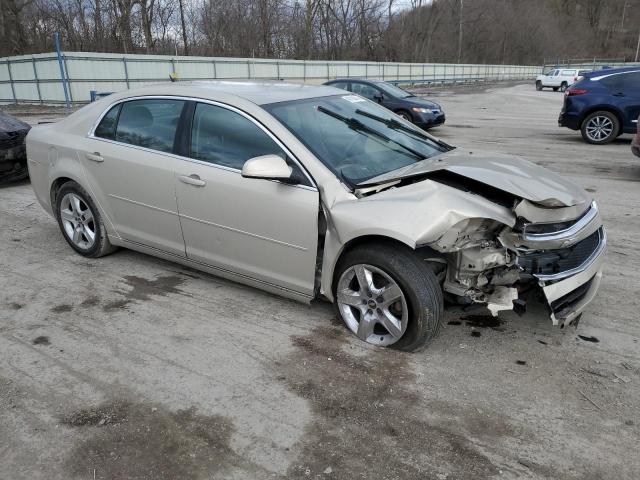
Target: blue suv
603,105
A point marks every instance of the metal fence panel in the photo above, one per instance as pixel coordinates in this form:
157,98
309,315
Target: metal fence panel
30,78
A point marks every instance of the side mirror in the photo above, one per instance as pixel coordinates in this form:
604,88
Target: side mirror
378,98
268,167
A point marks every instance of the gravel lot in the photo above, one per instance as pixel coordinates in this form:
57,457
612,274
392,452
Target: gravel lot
133,367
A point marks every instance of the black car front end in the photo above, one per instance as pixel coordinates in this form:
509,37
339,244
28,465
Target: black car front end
13,155
426,118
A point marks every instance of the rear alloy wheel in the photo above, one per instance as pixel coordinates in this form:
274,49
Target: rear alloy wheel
538,85
563,86
388,297
600,128
80,221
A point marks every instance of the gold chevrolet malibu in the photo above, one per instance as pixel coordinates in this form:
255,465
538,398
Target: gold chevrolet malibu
311,192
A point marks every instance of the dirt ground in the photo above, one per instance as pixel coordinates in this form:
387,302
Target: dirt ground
133,367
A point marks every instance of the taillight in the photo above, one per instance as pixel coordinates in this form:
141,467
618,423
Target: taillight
572,92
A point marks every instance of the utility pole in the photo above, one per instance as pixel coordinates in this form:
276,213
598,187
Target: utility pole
638,47
460,32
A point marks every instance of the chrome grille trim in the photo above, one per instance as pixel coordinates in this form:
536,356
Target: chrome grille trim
567,233
569,273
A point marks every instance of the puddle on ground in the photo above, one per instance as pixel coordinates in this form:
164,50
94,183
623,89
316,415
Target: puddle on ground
138,441
142,289
483,321
63,308
369,422
90,301
588,338
41,340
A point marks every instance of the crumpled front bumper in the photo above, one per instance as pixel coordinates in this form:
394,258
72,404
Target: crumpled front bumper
568,297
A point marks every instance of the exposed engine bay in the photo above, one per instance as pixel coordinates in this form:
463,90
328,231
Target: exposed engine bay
492,264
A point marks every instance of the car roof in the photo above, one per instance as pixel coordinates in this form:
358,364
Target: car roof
355,79
258,92
611,71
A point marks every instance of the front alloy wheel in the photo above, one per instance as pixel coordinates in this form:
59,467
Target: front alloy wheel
387,295
372,304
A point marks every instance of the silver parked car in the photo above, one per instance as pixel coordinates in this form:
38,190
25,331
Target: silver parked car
309,192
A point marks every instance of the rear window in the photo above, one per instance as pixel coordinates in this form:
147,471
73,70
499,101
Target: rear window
341,85
568,72
107,126
150,123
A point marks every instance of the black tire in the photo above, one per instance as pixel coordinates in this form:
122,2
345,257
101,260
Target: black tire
417,281
406,115
563,86
101,245
539,85
555,89
592,117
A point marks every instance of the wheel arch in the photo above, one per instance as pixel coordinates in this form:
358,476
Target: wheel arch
403,110
56,185
603,108
332,261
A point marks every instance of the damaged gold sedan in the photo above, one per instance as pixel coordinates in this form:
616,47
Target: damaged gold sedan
310,193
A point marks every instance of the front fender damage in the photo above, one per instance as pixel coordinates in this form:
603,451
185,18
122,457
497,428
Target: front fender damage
416,215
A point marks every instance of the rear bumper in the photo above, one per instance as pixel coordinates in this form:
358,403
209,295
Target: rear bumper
569,120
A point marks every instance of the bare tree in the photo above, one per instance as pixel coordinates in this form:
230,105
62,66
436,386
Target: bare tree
483,31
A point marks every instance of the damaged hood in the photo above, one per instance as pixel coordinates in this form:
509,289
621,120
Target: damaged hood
508,173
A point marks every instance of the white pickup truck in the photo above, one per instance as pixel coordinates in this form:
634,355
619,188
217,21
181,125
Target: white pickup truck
559,78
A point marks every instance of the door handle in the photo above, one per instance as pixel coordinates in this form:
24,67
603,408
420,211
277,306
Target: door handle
94,157
192,179
619,94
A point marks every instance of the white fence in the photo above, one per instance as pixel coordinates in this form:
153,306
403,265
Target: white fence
38,79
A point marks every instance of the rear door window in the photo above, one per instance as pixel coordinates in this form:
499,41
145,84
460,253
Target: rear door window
366,91
616,83
150,123
632,81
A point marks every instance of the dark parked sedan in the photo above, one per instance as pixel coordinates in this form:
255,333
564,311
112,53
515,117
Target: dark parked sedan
423,113
13,157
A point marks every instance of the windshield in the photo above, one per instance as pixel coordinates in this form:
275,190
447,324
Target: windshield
354,137
393,90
